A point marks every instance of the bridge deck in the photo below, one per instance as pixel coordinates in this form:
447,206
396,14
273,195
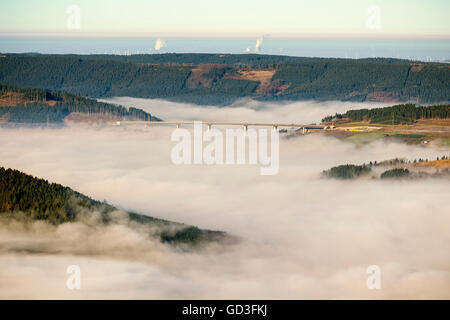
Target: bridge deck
213,123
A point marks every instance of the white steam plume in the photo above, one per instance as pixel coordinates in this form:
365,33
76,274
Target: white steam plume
159,44
258,44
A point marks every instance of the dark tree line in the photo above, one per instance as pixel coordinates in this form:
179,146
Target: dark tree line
395,173
398,114
347,171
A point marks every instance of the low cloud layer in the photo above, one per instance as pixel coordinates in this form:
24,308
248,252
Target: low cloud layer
304,237
244,110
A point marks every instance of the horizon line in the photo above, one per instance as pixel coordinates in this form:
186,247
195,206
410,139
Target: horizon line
343,36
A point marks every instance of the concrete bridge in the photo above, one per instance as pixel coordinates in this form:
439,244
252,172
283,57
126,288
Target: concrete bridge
210,124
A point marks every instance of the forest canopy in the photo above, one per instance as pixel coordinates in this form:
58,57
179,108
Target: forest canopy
347,171
27,198
171,76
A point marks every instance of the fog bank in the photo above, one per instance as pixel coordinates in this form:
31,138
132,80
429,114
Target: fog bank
303,112
304,237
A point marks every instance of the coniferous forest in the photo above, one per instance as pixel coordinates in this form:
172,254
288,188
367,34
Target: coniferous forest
28,198
31,105
170,76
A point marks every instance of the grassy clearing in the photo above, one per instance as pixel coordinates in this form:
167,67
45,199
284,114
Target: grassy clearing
408,135
411,138
364,137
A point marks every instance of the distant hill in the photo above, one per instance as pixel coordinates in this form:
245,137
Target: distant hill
27,198
31,105
221,79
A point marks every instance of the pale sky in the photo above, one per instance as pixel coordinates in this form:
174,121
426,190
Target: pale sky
229,17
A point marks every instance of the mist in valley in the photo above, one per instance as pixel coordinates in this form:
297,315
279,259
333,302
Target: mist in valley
302,236
303,112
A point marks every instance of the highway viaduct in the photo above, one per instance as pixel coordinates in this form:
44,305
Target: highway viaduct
210,124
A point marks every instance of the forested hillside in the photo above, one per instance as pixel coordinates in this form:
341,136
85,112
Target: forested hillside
397,168
222,78
398,114
27,198
42,106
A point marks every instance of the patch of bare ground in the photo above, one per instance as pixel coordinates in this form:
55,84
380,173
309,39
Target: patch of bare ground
264,77
417,68
438,127
196,78
441,164
382,96
433,122
339,134
346,125
12,99
281,88
273,87
352,94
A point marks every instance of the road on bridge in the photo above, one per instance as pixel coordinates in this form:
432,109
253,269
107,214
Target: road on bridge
214,123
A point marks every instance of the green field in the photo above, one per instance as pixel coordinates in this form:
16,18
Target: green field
364,137
446,142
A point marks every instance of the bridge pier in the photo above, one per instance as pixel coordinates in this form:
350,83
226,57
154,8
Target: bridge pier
304,130
275,128
245,129
178,125
209,127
